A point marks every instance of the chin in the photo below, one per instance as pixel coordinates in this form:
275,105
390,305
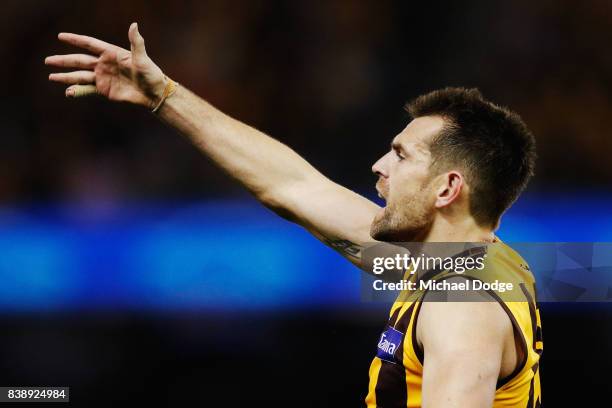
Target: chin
390,236
388,230
382,231
379,228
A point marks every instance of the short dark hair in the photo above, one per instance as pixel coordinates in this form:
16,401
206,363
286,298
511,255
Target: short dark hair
490,143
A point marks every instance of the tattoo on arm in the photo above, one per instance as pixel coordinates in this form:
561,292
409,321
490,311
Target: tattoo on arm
345,247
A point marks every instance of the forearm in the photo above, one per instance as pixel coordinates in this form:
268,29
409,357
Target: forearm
262,164
274,173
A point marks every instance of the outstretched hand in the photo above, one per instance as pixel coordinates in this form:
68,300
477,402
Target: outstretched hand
111,71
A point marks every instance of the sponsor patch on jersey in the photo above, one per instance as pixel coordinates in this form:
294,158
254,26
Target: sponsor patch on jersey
388,344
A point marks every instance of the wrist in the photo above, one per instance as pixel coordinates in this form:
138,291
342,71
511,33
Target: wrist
157,91
168,90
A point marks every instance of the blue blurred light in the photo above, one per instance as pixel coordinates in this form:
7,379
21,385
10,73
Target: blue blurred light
215,255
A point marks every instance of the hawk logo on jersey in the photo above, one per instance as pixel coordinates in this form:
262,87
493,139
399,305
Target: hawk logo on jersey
388,344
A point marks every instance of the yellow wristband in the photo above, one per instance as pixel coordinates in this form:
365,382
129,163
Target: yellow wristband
168,91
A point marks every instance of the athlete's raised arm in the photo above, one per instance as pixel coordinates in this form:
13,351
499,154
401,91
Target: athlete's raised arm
274,173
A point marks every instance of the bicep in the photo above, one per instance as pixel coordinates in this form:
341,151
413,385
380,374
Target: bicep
463,346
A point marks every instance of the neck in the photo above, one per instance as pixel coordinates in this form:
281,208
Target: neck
458,230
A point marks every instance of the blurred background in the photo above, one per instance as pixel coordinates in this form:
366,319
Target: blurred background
133,271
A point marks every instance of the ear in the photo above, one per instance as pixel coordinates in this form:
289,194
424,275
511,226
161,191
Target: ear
449,190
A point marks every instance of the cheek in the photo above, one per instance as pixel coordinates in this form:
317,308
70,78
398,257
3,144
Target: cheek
408,182
411,193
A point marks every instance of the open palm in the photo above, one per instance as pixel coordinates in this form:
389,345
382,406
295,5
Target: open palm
113,72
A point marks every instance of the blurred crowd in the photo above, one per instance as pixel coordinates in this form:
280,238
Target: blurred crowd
329,78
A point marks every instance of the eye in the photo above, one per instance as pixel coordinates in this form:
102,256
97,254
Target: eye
399,156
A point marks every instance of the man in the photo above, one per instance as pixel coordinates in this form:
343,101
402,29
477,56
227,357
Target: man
448,177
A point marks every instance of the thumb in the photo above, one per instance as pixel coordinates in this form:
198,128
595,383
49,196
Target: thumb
137,44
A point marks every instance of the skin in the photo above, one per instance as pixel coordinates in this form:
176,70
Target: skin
422,206
468,346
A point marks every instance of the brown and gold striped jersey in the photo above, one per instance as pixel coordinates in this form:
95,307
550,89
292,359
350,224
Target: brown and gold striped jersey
396,373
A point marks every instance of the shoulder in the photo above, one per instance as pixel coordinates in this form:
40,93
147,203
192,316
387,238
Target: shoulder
462,321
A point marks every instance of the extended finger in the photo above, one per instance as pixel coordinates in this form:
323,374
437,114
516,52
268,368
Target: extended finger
86,42
75,77
72,61
137,44
79,91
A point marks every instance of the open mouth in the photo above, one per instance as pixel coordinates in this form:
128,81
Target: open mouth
380,193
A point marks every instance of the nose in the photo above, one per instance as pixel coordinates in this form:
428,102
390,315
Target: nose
379,168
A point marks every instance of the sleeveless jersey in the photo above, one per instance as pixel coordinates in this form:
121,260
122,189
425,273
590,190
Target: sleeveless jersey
396,373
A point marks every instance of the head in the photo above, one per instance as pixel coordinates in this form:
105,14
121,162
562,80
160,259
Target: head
461,158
